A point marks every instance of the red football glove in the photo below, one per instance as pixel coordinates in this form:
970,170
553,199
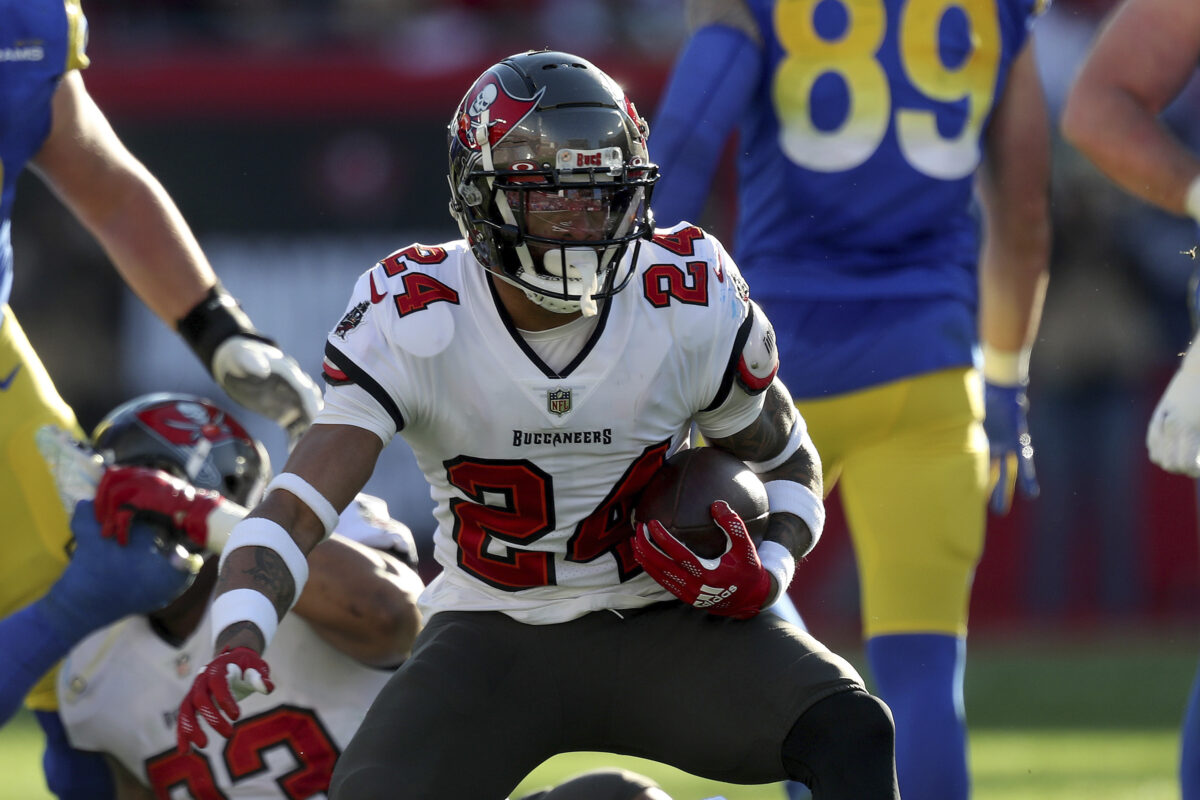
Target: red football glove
126,493
734,585
229,677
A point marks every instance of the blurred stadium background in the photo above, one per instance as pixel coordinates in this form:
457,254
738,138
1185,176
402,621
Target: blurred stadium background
305,139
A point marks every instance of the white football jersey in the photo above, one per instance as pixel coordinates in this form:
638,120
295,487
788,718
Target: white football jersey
119,692
534,470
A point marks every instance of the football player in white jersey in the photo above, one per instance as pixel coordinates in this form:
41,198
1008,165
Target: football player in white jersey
542,368
119,688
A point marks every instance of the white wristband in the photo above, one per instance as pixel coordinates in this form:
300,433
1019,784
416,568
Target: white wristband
1191,201
1005,367
307,494
779,562
244,605
795,440
796,498
260,532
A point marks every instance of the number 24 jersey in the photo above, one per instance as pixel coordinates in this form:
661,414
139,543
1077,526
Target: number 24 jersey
534,470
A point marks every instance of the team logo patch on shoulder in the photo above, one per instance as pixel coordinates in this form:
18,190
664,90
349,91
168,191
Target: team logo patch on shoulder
352,320
558,401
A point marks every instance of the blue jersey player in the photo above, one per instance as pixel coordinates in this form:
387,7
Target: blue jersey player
50,123
1139,65
867,131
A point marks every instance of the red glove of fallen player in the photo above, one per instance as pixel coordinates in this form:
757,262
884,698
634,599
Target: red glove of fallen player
214,695
734,585
126,493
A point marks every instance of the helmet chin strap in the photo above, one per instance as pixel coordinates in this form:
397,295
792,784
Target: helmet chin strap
583,265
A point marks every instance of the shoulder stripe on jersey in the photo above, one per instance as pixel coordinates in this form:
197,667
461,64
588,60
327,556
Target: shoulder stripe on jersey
731,366
359,377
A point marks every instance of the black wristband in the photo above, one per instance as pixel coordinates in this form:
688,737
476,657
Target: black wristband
213,320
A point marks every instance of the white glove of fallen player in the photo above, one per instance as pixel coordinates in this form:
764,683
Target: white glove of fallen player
367,521
76,467
1173,437
261,377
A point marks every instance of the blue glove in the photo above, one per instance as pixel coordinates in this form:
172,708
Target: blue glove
1011,448
105,581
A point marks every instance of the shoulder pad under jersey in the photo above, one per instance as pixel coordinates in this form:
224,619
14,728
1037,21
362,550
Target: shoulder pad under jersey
759,359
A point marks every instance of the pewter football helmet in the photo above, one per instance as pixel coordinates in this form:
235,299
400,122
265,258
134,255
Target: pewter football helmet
550,179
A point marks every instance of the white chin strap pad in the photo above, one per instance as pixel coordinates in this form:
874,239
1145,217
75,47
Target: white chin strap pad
582,267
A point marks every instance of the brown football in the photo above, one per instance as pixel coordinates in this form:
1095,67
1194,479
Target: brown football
688,483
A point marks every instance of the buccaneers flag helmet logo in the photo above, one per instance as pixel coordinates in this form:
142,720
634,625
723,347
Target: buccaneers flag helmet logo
504,111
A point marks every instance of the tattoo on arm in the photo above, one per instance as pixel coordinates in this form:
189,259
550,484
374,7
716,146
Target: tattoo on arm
267,573
766,437
271,576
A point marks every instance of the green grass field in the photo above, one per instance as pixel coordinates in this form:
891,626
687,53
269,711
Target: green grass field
1050,719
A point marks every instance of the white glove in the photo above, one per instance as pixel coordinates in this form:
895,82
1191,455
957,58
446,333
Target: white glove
1174,434
245,682
77,471
367,521
76,467
259,376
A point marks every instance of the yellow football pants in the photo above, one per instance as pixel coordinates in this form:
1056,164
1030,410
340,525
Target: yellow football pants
34,530
911,458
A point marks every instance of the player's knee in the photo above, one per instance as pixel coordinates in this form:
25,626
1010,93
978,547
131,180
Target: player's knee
851,728
605,784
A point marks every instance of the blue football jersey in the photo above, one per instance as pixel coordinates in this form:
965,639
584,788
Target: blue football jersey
861,149
39,41
860,126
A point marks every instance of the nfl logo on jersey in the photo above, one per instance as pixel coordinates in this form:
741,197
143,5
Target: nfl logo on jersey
558,401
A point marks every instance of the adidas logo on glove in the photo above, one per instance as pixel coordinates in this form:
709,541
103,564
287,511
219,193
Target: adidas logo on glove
710,596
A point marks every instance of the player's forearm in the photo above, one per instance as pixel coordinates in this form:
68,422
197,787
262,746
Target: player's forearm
1014,189
777,446
152,246
29,646
1014,267
121,204
790,529
1142,59
322,475
1130,145
361,601
1013,283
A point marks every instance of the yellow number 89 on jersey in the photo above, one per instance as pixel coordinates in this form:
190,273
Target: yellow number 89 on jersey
852,51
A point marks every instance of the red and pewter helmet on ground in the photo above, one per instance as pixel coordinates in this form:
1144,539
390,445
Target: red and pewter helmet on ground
189,437
550,179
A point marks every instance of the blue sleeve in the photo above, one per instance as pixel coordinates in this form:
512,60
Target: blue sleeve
103,582
72,774
29,646
710,87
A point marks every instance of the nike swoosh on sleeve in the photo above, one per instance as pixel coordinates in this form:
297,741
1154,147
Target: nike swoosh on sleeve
376,295
8,380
